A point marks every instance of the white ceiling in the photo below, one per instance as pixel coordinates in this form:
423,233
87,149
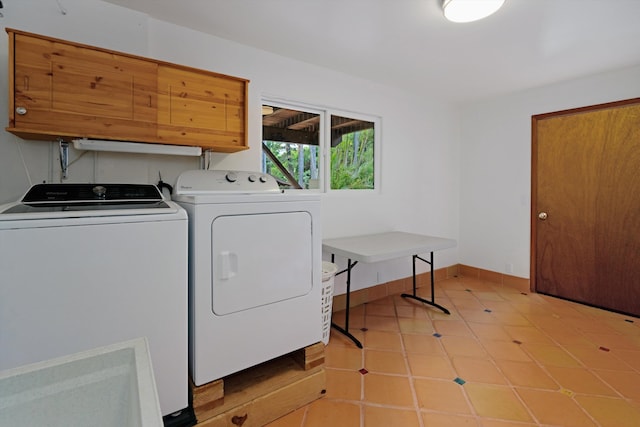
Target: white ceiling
408,43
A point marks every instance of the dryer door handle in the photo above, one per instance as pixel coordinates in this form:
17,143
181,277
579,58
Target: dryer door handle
228,265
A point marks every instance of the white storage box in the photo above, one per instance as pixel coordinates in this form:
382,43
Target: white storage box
328,278
108,386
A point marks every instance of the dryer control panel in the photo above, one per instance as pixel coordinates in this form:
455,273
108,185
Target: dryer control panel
224,181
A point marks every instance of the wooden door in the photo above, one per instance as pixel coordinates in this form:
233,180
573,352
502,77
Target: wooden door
586,205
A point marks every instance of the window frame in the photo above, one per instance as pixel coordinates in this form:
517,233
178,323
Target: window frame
324,143
321,135
376,120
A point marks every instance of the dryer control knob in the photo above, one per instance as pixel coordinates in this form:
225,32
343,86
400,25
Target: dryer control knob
252,178
263,178
231,177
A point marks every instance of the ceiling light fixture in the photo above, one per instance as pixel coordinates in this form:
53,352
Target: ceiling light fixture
469,10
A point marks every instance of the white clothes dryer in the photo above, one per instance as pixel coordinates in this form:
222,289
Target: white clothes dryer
255,270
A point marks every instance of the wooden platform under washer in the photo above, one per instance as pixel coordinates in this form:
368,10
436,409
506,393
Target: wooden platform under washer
258,395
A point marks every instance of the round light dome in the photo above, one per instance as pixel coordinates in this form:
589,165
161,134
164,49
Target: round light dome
469,10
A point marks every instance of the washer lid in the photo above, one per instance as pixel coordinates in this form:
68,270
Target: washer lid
196,182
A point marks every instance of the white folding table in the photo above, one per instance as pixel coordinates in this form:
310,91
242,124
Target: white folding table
381,247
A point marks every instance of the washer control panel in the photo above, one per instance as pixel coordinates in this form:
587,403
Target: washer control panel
225,181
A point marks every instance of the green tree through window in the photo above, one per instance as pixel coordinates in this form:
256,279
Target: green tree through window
295,138
352,161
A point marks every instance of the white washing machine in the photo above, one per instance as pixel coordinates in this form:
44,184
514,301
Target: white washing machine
255,270
86,265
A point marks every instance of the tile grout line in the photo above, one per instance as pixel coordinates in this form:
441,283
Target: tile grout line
414,395
545,370
493,362
362,365
582,364
465,394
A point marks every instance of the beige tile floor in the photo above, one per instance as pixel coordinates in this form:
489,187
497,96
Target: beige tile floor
525,359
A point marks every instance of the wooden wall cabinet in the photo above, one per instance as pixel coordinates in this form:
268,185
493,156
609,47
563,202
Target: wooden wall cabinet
59,89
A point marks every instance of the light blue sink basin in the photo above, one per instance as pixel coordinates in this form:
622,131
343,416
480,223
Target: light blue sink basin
108,386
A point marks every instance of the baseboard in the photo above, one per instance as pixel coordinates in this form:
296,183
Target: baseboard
382,290
372,293
519,283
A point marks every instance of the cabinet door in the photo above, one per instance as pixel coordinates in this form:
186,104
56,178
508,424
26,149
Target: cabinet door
62,89
200,108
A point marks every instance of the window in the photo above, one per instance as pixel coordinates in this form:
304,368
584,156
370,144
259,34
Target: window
291,145
313,148
352,154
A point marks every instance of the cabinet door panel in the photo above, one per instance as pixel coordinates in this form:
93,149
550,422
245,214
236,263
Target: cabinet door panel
70,90
188,99
86,81
98,92
32,77
201,108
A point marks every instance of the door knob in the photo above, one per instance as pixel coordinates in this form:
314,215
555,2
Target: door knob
542,216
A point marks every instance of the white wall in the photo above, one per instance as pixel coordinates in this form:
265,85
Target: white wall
496,165
90,22
420,150
477,191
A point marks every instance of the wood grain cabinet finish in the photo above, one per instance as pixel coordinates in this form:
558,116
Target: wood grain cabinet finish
201,109
68,90
63,90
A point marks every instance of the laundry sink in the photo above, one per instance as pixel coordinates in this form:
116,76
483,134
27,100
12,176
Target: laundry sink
107,386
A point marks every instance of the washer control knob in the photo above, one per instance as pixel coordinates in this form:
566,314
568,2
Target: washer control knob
99,191
263,178
252,178
231,177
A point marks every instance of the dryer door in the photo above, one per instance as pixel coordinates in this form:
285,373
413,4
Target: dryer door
260,259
